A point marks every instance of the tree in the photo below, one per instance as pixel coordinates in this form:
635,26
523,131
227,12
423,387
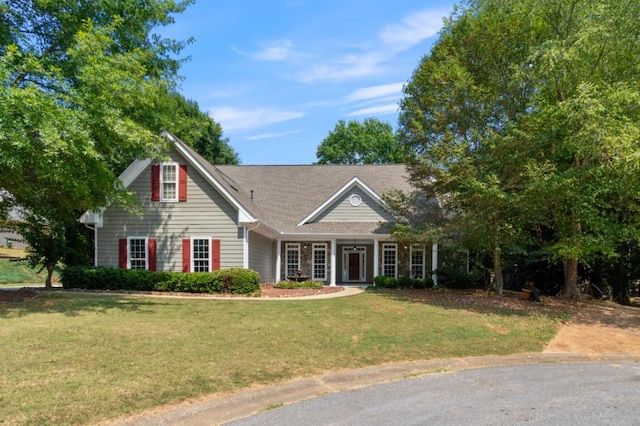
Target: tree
455,122
184,118
369,142
541,116
76,82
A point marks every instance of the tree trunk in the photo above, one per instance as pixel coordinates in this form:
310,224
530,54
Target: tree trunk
50,268
570,289
497,271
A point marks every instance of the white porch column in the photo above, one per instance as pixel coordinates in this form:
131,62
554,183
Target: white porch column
434,263
278,260
376,258
334,248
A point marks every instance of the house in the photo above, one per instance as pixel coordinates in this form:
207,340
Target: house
325,222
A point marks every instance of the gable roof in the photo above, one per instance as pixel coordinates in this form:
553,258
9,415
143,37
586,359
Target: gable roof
288,198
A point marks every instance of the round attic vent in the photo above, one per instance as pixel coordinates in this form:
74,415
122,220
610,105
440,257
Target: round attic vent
355,200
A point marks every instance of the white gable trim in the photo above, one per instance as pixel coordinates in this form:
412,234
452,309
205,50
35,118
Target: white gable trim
350,185
243,215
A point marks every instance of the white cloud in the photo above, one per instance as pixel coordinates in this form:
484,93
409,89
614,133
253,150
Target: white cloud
378,110
413,29
272,135
342,68
373,92
231,118
277,50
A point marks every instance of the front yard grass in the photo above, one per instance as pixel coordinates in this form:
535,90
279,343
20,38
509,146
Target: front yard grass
77,359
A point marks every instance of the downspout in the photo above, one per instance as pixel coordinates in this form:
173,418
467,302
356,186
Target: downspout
95,243
245,243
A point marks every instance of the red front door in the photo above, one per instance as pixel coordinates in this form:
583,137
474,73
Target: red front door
354,266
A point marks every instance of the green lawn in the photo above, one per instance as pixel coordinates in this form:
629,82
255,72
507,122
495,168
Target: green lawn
77,359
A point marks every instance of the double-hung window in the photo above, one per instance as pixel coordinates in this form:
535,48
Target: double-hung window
169,182
390,260
201,254
137,253
320,261
292,258
417,261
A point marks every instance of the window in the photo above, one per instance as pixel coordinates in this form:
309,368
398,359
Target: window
389,260
201,254
417,261
320,262
137,253
169,182
292,258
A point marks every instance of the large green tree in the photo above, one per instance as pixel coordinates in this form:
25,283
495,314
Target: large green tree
455,122
529,110
369,142
77,79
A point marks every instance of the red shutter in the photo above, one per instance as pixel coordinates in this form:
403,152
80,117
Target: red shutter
152,254
155,182
186,255
122,253
215,254
182,183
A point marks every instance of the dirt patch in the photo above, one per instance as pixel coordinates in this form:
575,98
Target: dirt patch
18,295
601,328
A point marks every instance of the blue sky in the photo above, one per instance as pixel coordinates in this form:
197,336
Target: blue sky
279,74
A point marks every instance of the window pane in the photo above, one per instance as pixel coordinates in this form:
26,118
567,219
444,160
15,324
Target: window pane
417,261
293,256
319,262
201,255
138,253
169,182
389,260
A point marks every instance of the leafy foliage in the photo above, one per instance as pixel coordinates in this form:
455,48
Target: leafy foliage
524,115
77,82
369,142
234,280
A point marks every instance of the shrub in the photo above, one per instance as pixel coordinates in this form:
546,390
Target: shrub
405,282
452,277
390,282
379,280
235,280
298,284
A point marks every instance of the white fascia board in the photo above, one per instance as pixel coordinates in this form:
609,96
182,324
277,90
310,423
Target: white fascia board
92,218
352,183
243,215
133,171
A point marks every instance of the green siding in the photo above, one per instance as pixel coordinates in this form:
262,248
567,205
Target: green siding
261,255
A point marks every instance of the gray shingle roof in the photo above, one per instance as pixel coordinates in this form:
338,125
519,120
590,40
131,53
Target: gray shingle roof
281,196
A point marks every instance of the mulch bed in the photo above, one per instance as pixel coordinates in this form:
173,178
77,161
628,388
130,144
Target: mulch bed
269,291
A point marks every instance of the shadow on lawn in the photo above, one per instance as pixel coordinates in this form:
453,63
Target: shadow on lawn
481,301
24,302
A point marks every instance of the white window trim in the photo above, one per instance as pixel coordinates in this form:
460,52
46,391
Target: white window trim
389,247
177,181
292,246
192,254
314,247
146,251
418,247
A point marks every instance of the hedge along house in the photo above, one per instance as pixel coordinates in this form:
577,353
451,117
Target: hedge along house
323,222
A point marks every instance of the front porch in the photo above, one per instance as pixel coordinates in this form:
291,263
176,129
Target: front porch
353,262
